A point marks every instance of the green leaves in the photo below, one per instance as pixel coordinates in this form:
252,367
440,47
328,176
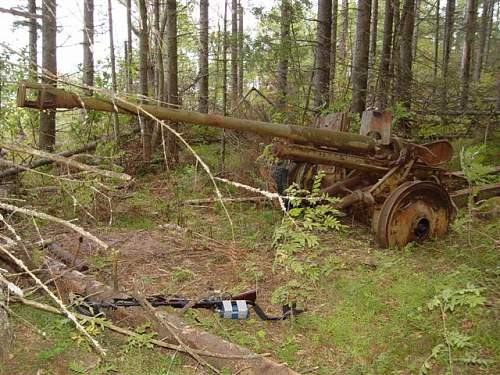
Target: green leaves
297,243
471,161
450,299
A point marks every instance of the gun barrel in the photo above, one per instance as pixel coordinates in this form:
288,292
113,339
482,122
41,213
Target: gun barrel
50,97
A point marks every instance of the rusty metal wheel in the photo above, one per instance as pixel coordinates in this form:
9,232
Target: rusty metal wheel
414,212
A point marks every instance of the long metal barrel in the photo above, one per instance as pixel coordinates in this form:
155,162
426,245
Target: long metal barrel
50,97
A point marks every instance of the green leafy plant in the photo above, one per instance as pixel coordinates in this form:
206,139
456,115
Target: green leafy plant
142,339
296,239
454,342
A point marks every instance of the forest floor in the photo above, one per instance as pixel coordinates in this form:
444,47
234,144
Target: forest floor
370,315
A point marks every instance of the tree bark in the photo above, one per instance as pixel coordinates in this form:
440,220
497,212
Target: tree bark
47,130
416,15
241,38
483,34
384,78
468,46
404,80
333,48
323,47
88,45
344,31
172,74
158,39
282,73
373,33
394,64
33,24
146,125
436,43
203,59
447,42
6,334
234,52
129,46
116,127
360,60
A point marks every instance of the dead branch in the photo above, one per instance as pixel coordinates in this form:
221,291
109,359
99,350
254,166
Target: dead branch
63,308
65,161
19,13
45,161
44,216
230,200
234,356
127,332
162,323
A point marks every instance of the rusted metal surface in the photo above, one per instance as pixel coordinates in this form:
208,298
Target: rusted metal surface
318,156
338,121
60,98
414,212
400,185
378,125
434,153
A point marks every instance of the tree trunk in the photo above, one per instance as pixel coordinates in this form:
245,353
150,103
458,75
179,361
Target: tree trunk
172,74
489,31
373,33
470,29
384,78
436,44
88,45
447,42
394,64
116,127
241,38
333,48
203,59
33,23
323,47
129,46
282,73
416,15
404,80
234,52
158,38
146,125
344,31
47,130
6,334
360,60
225,46
483,34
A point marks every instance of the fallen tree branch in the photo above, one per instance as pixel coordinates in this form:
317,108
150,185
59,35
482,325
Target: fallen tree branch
20,13
127,332
16,169
44,216
230,200
158,319
63,308
65,161
232,356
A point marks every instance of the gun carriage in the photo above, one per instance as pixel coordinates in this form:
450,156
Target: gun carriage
401,188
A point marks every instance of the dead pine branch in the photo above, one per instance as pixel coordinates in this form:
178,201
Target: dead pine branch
112,327
93,342
65,161
158,319
44,216
16,169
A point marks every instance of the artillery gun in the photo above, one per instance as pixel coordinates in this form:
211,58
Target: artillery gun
400,188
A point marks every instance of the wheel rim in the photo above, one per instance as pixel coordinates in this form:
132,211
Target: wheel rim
414,212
